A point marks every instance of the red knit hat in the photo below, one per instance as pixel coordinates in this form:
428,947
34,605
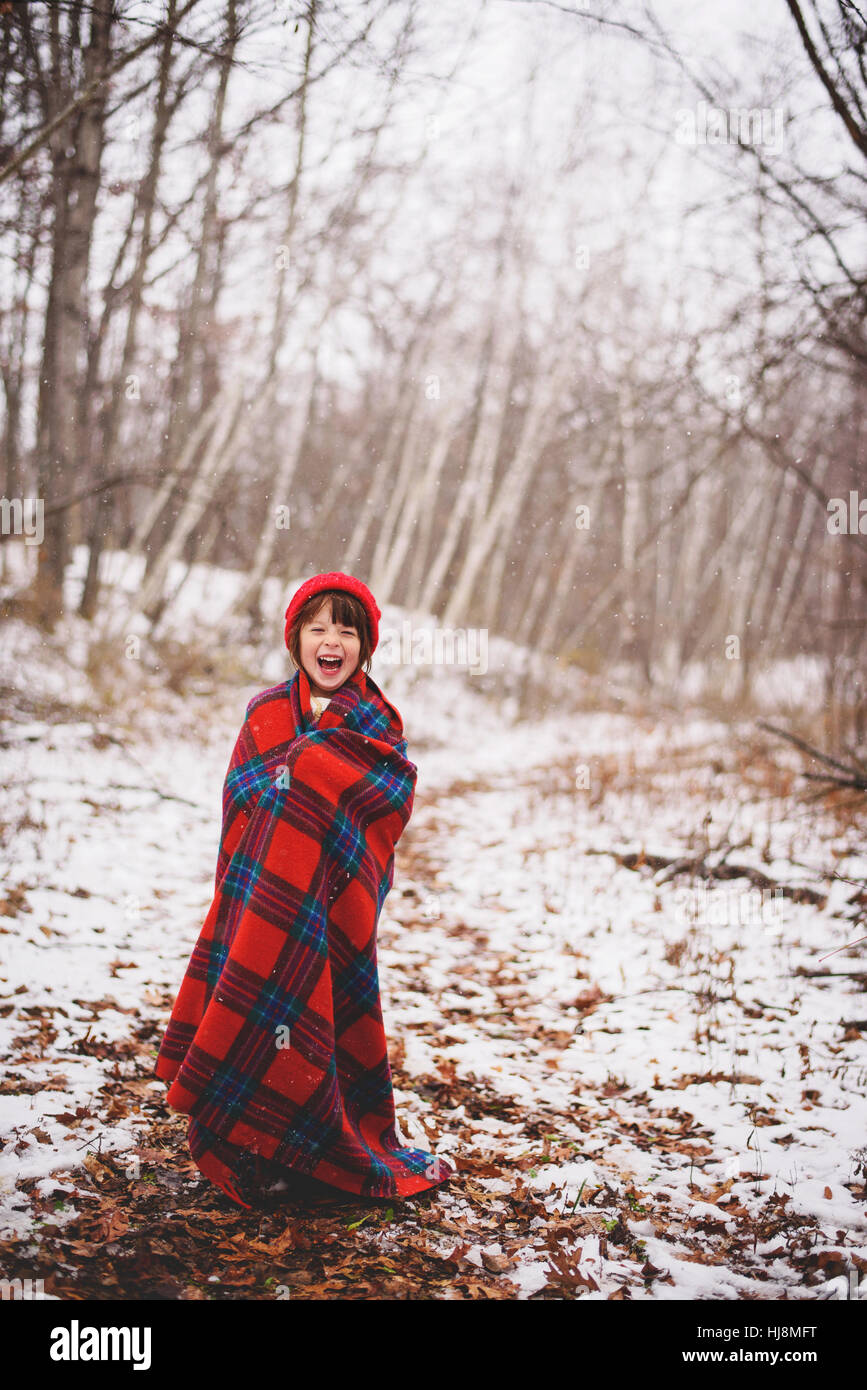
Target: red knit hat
335,580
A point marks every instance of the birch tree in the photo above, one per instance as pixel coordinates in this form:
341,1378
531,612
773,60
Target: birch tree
553,373
492,398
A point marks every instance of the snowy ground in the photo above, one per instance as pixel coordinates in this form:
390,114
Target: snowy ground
653,1088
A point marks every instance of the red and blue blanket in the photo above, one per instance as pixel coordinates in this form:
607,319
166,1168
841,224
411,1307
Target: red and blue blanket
276,1046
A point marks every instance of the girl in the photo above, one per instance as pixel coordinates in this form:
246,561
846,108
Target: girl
275,1047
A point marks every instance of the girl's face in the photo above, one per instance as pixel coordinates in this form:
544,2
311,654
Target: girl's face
329,654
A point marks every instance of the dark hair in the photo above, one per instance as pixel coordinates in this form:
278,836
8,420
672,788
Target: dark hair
346,611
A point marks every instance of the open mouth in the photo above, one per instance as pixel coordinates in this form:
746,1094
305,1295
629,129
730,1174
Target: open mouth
329,663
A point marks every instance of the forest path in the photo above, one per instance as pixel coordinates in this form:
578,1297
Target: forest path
645,1094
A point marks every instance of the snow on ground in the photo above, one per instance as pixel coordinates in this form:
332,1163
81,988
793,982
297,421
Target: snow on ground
668,1046
702,1014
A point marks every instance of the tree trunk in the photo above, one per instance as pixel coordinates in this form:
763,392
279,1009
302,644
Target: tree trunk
688,566
428,504
102,508
214,463
492,405
415,498
551,377
291,444
751,561
207,278
575,550
799,557
76,149
406,400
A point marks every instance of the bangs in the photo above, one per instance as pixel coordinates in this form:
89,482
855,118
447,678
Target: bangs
346,611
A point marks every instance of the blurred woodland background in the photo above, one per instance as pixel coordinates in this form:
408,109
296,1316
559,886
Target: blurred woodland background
544,318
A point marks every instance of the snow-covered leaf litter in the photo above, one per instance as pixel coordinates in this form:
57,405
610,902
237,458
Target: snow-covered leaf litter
518,920
107,916
791,1119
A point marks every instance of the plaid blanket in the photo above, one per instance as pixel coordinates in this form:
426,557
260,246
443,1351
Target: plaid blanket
275,1046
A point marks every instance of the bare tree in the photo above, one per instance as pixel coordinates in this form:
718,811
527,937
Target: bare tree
76,145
